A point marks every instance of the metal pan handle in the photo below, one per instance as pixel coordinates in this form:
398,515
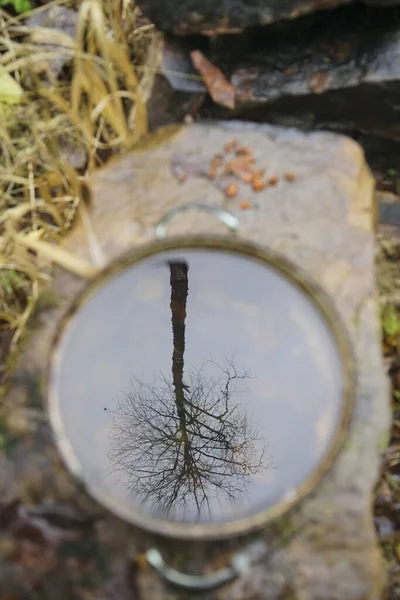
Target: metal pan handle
240,563
223,215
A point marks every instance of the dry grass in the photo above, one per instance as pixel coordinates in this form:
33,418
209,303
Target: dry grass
96,107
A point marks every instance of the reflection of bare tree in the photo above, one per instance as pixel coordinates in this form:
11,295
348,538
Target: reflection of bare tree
180,444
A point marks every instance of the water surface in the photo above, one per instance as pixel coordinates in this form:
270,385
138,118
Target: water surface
198,386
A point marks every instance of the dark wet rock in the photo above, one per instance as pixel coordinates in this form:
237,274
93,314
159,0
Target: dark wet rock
177,68
212,17
337,71
178,90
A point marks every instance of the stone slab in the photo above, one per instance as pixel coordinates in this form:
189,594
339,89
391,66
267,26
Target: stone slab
323,220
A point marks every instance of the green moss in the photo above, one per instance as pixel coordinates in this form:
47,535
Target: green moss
390,321
20,6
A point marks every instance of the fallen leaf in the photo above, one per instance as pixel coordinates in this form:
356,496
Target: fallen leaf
319,82
10,90
219,88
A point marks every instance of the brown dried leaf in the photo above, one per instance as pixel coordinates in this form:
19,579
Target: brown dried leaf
219,88
319,82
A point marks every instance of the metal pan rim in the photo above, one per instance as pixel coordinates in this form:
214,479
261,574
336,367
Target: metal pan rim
322,303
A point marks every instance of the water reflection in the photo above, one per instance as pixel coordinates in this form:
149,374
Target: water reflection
179,420
186,440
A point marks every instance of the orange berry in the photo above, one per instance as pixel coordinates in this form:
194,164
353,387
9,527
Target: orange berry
215,164
273,180
243,151
231,190
246,177
245,205
259,184
289,176
230,146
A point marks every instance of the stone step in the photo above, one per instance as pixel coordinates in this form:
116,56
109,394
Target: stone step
322,217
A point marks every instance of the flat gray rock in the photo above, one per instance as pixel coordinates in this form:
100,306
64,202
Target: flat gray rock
322,217
208,17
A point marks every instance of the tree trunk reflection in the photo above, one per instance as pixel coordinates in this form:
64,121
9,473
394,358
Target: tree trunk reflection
183,443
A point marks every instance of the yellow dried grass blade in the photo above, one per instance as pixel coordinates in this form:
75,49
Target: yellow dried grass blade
63,258
97,91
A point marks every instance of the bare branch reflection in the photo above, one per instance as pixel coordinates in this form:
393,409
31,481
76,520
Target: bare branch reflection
181,442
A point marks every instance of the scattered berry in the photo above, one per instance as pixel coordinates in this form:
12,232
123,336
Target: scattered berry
245,176
230,146
231,190
245,205
273,180
259,184
289,176
243,151
215,164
